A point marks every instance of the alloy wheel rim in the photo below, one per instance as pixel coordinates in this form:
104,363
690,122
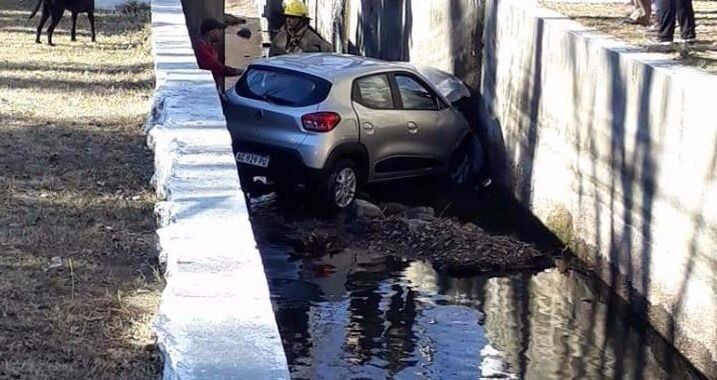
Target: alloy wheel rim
345,188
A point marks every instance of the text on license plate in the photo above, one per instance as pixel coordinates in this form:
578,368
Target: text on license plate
252,159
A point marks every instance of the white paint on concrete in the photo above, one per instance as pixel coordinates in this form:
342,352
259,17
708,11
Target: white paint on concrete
619,146
215,320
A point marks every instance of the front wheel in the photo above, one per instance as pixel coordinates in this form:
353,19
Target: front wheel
340,185
466,164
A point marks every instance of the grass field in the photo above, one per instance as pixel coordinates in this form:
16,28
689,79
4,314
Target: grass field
79,283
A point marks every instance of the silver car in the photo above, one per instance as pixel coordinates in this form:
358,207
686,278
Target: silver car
336,122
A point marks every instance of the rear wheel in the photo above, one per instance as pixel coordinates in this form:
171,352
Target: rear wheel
338,189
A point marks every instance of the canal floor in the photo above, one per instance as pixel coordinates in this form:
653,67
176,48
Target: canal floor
367,315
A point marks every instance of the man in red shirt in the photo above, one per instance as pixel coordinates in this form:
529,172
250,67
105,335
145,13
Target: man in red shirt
207,55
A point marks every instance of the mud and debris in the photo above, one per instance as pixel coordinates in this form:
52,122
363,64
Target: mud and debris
450,245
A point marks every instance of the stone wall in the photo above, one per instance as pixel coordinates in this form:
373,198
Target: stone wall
215,319
616,151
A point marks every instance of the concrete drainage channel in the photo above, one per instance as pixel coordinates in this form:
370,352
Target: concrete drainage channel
215,320
354,313
373,308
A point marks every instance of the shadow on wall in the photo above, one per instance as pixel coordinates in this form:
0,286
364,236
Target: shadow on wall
629,148
384,30
496,149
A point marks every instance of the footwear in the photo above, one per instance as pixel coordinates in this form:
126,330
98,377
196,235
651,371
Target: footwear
661,40
639,21
688,40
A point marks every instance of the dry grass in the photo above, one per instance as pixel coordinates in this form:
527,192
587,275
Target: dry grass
608,18
73,185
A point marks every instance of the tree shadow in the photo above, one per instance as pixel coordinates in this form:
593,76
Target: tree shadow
384,30
634,147
75,86
74,67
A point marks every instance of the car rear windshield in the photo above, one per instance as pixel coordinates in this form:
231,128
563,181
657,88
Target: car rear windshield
281,86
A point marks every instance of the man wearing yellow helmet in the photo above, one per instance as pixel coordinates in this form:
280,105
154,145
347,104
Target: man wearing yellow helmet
296,36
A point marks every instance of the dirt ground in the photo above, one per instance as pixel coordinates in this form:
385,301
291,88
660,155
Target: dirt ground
78,266
240,51
608,18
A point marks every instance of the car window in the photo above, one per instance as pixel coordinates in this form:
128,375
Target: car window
374,92
415,96
281,86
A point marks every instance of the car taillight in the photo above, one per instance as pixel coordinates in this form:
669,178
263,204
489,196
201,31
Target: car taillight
320,121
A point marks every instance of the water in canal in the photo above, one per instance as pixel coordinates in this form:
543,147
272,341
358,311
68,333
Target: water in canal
362,315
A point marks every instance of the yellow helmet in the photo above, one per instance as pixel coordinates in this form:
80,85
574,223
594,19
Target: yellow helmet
296,8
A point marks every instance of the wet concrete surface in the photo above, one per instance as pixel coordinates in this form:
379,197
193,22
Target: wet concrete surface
359,314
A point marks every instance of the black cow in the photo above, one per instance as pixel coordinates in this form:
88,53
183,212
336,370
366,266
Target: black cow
55,8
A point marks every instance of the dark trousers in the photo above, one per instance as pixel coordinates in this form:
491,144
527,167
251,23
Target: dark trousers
676,10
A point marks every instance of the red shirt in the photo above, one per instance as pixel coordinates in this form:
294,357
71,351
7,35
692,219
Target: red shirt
208,59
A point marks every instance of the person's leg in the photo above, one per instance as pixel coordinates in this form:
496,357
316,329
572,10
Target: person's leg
644,10
686,15
667,20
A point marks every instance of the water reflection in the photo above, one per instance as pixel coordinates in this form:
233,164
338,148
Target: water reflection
365,316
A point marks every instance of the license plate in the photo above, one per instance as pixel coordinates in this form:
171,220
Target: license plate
253,159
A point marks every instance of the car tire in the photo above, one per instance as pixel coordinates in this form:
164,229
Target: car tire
340,185
466,163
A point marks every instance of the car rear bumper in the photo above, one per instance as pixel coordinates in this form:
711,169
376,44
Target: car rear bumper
285,165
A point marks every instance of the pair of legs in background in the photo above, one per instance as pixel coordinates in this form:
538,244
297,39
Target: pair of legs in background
672,11
669,13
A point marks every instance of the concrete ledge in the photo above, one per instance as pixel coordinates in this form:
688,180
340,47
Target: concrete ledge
615,150
215,320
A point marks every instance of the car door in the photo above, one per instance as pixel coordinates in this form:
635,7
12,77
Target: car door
428,121
382,128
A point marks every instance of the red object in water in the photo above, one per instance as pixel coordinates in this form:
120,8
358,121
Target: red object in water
324,270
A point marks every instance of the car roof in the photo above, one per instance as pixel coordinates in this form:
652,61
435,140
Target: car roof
331,66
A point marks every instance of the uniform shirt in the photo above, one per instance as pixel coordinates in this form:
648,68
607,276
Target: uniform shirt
305,41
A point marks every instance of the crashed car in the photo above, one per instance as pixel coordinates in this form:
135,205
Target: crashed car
333,123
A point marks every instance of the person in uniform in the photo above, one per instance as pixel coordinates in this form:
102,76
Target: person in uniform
296,35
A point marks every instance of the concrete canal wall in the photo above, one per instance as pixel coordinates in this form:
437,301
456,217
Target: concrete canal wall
616,152
215,320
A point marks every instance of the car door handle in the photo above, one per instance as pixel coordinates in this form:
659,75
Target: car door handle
412,127
368,127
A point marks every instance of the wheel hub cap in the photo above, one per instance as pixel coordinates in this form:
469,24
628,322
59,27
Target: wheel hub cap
345,187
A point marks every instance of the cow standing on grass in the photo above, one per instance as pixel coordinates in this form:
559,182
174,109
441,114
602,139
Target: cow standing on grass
54,9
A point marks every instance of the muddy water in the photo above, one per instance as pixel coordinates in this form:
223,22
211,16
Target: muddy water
361,315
